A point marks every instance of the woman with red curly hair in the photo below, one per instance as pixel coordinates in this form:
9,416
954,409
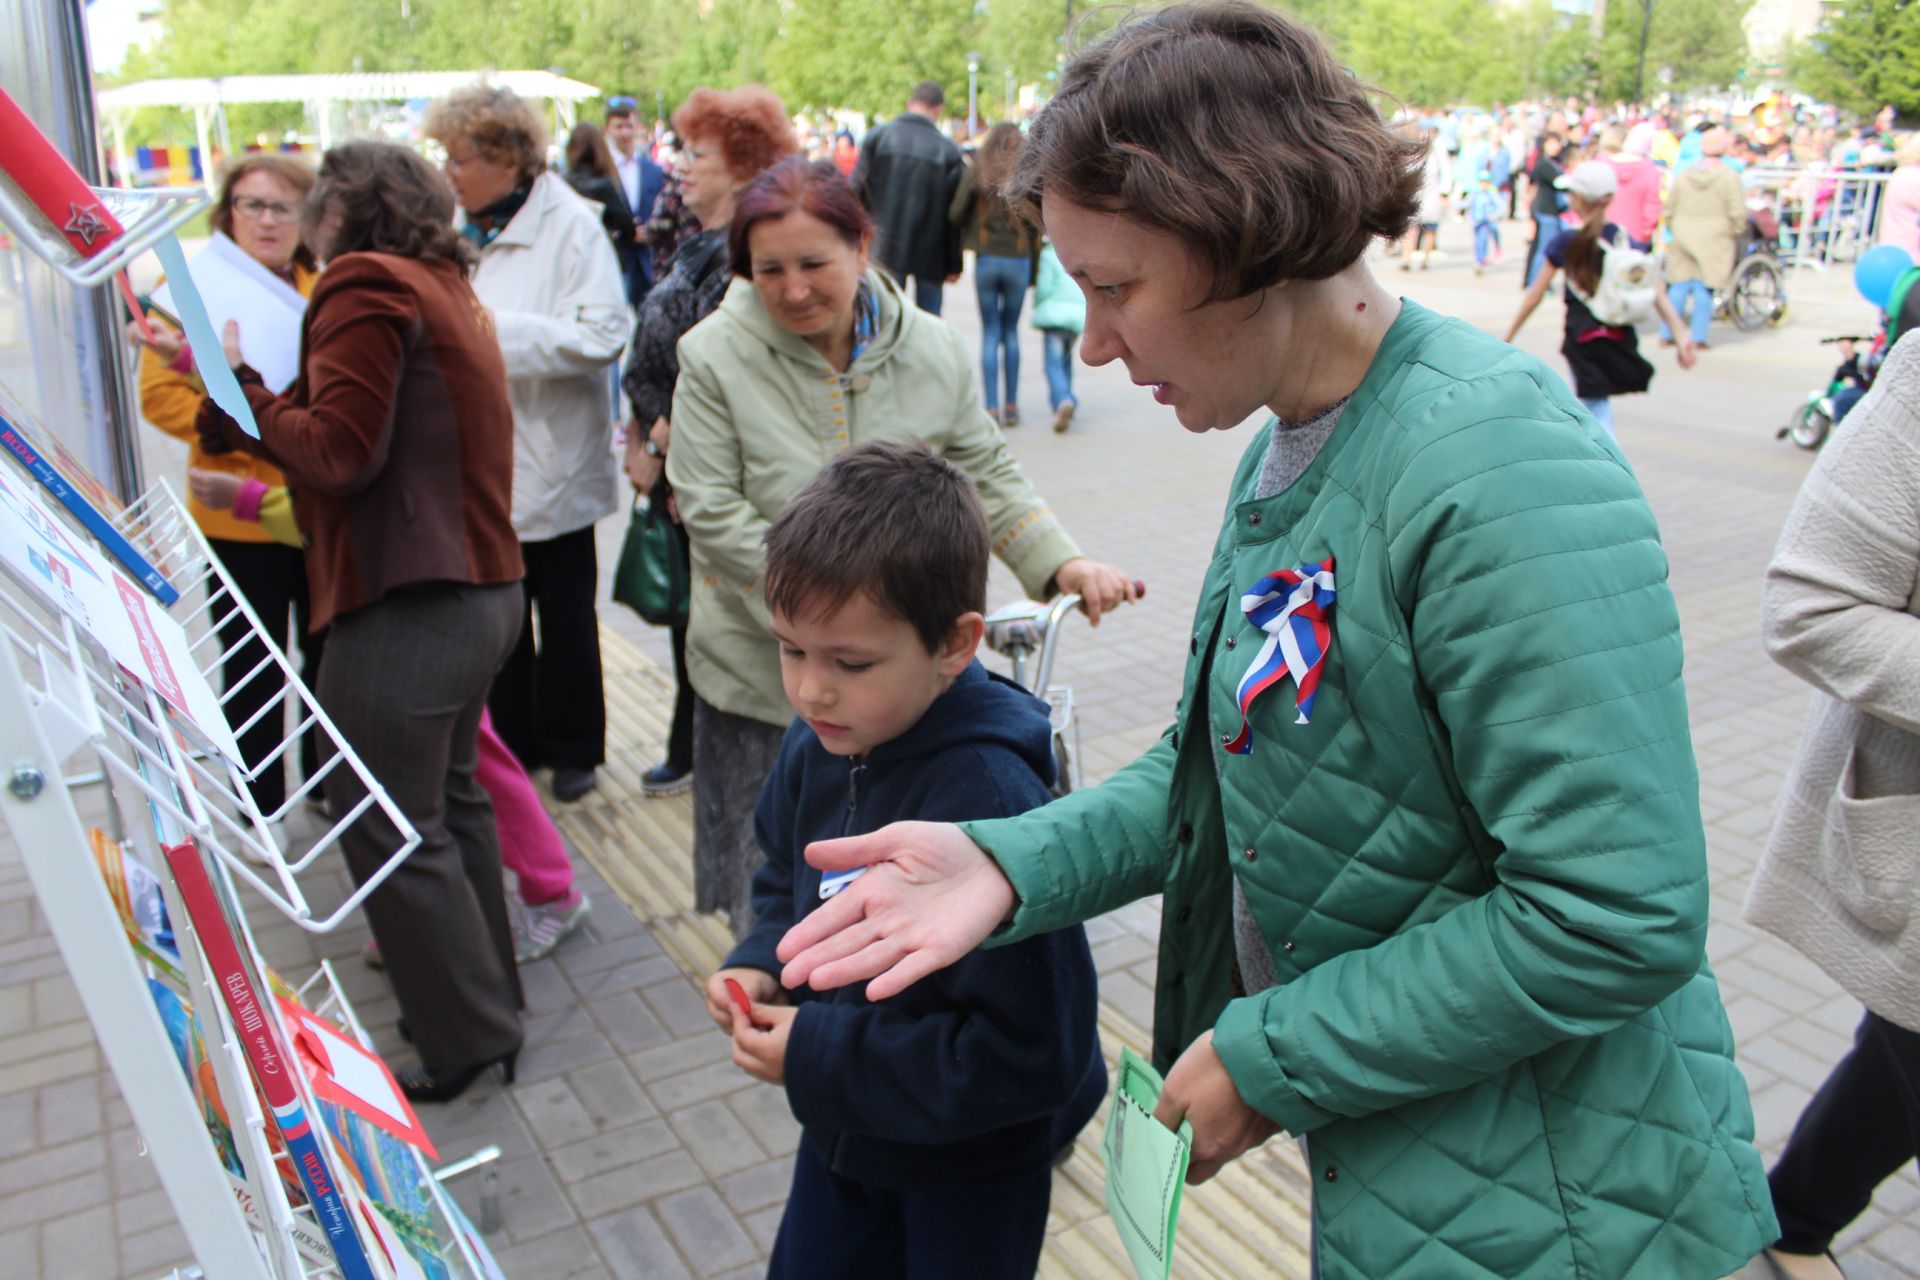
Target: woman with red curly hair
730,136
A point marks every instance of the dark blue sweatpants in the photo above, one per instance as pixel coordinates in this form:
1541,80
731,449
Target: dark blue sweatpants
838,1229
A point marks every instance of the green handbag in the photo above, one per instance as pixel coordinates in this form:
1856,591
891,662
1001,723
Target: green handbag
651,577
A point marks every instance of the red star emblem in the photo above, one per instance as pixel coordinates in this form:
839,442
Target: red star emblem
86,223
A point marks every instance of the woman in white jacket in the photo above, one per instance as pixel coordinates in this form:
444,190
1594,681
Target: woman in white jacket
1841,871
552,282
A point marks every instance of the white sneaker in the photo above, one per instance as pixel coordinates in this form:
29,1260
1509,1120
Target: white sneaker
545,925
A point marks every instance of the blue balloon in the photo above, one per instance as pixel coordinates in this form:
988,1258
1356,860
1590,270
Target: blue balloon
1875,271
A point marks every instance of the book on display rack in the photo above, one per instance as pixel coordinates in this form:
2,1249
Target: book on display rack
43,457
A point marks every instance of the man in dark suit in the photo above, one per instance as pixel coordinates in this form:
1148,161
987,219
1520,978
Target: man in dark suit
907,173
637,183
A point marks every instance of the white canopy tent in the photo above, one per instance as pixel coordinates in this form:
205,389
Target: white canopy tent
208,99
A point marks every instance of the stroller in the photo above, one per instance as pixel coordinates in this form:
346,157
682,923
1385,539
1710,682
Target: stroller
1823,410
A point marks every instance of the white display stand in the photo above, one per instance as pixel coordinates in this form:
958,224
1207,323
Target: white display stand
64,705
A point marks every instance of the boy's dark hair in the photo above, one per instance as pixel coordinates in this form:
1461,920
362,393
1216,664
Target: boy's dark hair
890,518
928,93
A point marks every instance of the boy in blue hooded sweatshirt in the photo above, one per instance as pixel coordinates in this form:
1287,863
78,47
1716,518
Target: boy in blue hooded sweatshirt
930,1120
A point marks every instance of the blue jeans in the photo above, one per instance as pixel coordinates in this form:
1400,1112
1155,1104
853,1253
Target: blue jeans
1602,410
926,293
1702,313
1002,285
1059,355
1486,239
1545,228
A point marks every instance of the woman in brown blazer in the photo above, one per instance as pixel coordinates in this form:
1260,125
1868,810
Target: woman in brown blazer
397,443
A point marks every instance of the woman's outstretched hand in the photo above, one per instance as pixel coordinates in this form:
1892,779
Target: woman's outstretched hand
929,897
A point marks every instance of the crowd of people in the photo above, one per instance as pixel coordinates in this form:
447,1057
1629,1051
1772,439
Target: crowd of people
1467,801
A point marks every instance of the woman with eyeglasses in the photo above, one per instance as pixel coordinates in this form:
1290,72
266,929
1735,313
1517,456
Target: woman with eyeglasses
550,278
732,136
259,209
397,440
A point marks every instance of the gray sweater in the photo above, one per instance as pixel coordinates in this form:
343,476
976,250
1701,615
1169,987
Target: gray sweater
1290,451
1838,879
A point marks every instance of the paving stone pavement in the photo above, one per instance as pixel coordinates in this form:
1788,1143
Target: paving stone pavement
631,1148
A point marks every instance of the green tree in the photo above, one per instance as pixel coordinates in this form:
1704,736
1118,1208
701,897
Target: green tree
1429,53
866,55
725,46
1691,44
1866,55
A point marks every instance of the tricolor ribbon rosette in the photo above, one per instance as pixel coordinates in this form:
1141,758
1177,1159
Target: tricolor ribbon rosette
1294,607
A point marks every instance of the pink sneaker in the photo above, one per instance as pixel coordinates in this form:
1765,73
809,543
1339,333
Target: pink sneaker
547,924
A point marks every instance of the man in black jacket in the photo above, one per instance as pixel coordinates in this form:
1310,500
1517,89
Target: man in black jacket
907,174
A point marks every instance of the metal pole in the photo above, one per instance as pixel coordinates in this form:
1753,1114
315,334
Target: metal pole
104,319
1007,110
1640,68
973,94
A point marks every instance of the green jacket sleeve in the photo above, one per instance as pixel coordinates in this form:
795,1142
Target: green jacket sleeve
705,468
1025,534
1086,853
1529,570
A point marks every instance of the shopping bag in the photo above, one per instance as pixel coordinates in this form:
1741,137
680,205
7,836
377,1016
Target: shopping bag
651,576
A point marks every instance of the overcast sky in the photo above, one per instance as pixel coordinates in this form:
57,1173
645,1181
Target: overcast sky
111,28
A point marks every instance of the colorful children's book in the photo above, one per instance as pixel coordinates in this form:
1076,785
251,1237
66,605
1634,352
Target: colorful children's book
64,476
273,1068
138,901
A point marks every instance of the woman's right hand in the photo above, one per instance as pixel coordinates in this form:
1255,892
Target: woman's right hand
216,489
929,897
643,469
167,342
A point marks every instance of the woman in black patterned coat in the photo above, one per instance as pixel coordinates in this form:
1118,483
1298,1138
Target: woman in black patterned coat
730,136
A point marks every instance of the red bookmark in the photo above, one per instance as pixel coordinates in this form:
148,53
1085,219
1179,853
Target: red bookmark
133,304
740,1000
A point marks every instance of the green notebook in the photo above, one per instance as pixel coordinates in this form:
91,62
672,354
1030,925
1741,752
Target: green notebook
1146,1168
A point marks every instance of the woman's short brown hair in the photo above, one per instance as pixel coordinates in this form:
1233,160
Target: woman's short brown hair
1232,127
748,124
499,123
388,200
296,175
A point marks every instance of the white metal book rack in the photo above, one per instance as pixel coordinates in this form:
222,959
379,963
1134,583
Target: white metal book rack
66,707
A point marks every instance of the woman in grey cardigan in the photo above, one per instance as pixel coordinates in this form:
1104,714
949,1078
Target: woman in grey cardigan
1842,611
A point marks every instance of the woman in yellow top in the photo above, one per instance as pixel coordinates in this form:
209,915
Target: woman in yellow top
259,209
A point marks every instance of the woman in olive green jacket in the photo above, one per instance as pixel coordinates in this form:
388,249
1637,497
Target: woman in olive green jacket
1427,825
810,353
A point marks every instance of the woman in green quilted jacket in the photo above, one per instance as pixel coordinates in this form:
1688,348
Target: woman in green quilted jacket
1427,825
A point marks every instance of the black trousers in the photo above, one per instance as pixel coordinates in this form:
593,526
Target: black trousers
1858,1130
680,736
405,681
273,578
838,1229
547,702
